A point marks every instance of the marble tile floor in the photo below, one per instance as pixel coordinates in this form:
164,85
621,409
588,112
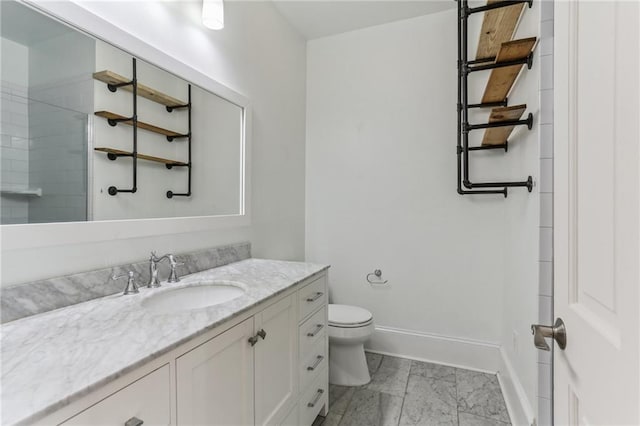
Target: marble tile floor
403,392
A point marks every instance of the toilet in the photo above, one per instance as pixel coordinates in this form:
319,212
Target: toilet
349,328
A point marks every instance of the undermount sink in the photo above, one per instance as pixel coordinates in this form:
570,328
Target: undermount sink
196,296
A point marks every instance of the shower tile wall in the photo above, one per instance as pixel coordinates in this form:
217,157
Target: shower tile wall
60,102
58,161
14,153
545,289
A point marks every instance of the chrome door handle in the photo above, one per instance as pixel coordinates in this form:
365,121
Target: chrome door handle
315,365
316,297
316,331
558,332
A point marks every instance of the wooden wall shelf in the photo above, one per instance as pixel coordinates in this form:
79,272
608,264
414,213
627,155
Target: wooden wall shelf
170,134
110,77
501,79
499,135
498,26
121,153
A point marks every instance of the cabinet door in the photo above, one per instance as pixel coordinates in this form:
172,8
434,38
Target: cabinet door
215,380
276,362
147,399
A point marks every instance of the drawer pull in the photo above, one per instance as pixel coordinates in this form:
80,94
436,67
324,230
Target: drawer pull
262,333
315,399
316,364
253,340
133,421
316,331
316,297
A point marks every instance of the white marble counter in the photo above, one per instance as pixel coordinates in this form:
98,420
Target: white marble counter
52,359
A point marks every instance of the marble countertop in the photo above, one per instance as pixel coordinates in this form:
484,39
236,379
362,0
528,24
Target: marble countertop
52,359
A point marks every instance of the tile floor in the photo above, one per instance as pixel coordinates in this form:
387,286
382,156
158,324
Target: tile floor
405,392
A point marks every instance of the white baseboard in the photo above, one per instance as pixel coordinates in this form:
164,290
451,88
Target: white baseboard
457,352
519,406
453,351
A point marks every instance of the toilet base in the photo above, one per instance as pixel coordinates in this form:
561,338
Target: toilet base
348,365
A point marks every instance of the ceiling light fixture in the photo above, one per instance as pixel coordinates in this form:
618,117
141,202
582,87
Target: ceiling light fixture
213,14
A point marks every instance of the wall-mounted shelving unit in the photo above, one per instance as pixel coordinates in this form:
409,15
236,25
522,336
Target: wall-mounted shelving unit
114,82
505,58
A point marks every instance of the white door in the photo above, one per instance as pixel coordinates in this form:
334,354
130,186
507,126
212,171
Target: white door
276,361
215,380
596,214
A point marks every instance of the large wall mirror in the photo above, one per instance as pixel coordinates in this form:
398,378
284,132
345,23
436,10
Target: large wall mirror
77,145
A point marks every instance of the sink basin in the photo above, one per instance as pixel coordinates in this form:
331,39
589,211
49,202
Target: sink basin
197,296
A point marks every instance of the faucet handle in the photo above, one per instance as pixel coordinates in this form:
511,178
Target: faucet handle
132,287
173,275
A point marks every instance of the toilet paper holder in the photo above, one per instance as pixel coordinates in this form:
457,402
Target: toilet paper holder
378,277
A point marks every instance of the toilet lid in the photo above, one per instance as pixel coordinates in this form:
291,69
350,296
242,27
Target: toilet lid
345,315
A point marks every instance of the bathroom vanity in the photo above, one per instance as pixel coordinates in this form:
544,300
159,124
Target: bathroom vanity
259,358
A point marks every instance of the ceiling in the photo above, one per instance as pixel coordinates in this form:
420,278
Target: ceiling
319,18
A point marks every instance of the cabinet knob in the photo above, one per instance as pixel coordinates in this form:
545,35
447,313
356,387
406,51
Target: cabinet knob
253,340
133,421
262,333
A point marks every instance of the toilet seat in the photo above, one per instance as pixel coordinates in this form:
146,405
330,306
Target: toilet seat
346,316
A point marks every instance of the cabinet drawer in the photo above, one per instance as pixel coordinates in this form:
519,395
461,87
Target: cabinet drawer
313,363
292,418
147,399
312,331
314,398
312,296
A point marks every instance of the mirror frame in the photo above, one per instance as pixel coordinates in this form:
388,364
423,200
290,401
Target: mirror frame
37,235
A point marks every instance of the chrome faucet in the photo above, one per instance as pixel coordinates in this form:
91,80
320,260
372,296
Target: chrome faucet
173,275
154,282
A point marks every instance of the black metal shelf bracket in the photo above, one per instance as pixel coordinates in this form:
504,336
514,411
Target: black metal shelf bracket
171,194
503,103
113,122
526,122
465,67
470,11
114,87
112,190
172,107
184,136
528,61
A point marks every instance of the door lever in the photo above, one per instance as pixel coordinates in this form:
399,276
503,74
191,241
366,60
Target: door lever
558,332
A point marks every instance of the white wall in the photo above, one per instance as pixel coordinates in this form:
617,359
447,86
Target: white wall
381,193
258,55
381,182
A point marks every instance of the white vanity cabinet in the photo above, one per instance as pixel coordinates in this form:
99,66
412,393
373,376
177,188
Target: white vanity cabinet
215,380
246,375
268,367
276,362
146,400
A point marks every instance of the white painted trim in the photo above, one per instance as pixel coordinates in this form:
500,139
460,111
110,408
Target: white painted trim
469,354
446,350
20,237
520,410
